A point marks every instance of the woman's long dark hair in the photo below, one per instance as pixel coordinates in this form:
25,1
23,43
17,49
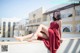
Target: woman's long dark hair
58,16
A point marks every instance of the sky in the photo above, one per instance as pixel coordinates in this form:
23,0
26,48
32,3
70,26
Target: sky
21,8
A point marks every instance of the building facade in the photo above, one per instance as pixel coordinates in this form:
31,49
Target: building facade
7,29
70,15
35,19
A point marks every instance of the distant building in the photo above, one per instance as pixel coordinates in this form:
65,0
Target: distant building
35,19
7,28
20,28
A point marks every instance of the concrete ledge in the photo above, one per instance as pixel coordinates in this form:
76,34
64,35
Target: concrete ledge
69,45
24,47
19,42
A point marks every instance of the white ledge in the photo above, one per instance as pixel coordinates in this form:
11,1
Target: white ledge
20,42
25,47
68,45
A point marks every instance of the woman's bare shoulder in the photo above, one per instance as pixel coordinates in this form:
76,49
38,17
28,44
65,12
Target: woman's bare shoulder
59,22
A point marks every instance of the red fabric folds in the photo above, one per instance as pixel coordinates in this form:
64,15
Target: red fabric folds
53,42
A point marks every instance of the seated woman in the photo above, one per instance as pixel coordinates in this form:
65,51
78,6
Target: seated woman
52,35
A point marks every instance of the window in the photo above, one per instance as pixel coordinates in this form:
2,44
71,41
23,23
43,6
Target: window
66,29
78,28
30,21
66,15
14,24
50,17
9,25
70,15
77,12
62,16
39,19
4,25
34,15
44,19
34,21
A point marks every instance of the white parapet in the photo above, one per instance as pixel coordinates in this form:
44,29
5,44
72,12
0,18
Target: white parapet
23,47
69,45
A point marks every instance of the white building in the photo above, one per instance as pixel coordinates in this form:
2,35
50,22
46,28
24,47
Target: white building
7,28
21,28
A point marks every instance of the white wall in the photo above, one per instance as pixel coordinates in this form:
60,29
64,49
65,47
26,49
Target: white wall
67,46
26,48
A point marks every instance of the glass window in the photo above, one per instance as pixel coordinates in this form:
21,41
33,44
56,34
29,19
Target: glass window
44,19
34,15
4,25
14,24
9,25
39,19
34,21
30,21
77,12
70,15
62,16
66,29
78,28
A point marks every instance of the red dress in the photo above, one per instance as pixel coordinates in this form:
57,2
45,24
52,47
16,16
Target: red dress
53,42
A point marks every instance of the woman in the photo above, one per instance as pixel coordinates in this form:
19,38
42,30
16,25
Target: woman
52,35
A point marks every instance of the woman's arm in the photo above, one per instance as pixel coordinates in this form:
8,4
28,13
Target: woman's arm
60,27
